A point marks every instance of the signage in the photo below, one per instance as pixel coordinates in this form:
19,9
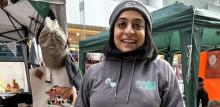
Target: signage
7,53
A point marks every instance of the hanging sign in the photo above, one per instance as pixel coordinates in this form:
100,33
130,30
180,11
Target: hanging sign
213,64
10,50
12,46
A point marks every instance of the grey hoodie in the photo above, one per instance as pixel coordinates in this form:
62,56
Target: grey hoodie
130,83
131,79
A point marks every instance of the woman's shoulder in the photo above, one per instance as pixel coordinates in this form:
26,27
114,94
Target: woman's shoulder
94,69
161,64
160,61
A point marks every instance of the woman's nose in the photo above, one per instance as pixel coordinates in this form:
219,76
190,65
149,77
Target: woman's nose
129,30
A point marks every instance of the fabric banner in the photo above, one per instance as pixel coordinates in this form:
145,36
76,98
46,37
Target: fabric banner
12,47
58,92
213,64
41,7
209,83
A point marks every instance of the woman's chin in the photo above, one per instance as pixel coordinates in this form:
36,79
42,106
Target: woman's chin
124,50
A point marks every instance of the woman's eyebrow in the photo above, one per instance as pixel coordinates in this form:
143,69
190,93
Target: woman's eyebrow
138,19
121,18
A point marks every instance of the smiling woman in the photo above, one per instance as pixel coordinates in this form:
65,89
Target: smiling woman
129,31
132,75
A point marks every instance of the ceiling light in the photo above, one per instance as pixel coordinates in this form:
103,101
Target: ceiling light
77,34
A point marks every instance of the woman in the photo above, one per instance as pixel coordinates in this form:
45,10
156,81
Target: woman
132,75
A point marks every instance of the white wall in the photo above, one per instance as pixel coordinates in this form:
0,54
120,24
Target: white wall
153,3
72,11
197,3
96,12
13,70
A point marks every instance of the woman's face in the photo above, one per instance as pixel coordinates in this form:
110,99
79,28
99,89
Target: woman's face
129,31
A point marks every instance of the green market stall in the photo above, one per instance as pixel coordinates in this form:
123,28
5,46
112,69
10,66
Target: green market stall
176,29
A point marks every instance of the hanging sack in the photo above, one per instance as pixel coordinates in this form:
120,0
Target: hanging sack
53,42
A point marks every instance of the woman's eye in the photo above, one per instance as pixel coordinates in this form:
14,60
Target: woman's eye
121,25
138,26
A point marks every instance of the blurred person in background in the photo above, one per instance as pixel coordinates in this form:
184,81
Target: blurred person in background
202,96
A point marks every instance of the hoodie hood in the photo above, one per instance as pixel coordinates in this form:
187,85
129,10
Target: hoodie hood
147,51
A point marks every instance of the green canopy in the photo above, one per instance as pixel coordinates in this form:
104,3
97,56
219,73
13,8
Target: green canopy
176,29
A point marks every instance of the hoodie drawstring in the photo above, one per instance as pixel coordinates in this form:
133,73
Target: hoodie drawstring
118,79
119,76
132,75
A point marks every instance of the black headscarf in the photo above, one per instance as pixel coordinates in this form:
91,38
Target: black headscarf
148,51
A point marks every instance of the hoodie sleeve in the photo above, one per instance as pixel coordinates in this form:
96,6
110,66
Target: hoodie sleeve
83,95
171,95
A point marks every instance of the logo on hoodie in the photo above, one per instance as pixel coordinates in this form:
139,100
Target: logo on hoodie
110,82
147,85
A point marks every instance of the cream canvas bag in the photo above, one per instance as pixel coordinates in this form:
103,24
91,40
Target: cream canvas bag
53,42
